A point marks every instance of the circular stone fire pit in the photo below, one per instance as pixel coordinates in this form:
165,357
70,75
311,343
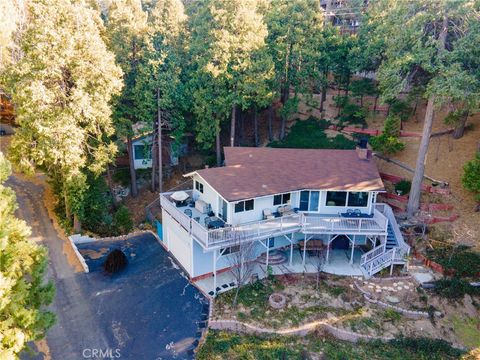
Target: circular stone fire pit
277,301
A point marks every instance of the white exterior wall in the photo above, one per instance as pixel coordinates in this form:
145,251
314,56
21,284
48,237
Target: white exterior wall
210,196
141,163
178,242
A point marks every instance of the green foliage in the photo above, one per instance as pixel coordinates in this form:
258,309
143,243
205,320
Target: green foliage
363,87
353,114
122,176
310,134
122,220
455,288
388,141
460,259
471,176
225,345
400,109
391,315
23,266
97,205
403,186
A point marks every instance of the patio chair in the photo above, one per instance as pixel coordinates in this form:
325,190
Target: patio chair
281,210
267,214
287,210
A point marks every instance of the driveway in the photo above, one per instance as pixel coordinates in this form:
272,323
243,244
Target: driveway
149,311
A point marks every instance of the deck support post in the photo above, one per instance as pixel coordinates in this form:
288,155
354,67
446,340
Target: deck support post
304,248
215,272
353,249
291,250
267,242
328,246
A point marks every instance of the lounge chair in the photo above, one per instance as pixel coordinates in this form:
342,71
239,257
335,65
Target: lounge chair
267,214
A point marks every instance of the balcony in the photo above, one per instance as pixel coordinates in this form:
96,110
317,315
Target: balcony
264,229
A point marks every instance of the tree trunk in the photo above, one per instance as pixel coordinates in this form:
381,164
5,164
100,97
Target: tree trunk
270,119
68,215
232,125
154,162
361,100
255,126
460,128
375,103
159,131
285,96
110,186
133,175
218,148
414,199
77,224
241,122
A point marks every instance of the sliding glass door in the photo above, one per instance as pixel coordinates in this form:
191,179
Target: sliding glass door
309,200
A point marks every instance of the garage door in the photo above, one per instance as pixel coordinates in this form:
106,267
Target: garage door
179,246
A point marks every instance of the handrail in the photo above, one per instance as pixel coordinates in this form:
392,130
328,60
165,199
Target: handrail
388,212
372,254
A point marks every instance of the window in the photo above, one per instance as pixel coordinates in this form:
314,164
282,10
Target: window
281,199
246,205
230,250
358,199
336,198
309,200
314,197
143,152
304,200
199,186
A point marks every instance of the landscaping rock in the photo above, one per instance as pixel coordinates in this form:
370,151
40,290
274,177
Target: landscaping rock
422,277
392,299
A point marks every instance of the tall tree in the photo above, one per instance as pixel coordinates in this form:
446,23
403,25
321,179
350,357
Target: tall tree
418,39
23,265
61,88
291,26
229,55
127,33
160,93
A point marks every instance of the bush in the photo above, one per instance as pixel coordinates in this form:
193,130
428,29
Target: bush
400,109
455,288
122,220
434,348
353,114
403,186
122,176
116,261
388,142
471,176
310,134
460,260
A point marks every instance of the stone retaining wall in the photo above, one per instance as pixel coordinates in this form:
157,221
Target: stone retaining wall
237,326
408,313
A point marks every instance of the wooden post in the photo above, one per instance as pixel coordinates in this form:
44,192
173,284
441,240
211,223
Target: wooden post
393,258
291,249
328,246
267,242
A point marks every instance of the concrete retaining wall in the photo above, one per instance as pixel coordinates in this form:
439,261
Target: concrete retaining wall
78,255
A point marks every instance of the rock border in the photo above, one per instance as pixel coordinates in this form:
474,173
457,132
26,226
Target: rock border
303,330
408,313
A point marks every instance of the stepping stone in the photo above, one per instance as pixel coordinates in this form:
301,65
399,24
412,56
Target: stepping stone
400,283
399,288
406,287
392,299
370,286
395,284
378,291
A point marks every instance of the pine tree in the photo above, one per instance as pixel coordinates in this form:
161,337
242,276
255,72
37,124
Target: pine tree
61,88
127,34
23,293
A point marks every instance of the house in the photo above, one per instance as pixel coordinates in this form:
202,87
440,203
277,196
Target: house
283,199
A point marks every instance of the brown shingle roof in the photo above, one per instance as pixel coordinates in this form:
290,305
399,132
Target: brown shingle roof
254,172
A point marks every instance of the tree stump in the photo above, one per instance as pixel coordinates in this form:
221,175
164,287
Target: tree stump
116,261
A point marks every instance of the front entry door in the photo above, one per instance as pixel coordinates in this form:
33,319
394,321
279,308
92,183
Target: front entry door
223,213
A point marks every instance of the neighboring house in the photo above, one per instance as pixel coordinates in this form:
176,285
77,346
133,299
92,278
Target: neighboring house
142,152
283,198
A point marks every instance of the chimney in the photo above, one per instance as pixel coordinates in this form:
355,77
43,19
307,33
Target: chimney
362,149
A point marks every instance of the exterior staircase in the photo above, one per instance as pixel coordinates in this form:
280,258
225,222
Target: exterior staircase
394,251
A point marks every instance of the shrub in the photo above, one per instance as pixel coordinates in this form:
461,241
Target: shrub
353,114
400,109
461,260
122,220
434,348
455,288
391,315
403,186
388,142
116,261
471,176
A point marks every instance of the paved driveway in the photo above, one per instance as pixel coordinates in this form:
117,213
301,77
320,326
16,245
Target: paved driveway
148,310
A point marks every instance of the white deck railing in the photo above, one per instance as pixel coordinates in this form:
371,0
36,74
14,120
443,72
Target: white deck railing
264,229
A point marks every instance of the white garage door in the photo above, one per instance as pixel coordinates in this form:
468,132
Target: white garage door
179,246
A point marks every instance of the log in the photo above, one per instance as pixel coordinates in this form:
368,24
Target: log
408,168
